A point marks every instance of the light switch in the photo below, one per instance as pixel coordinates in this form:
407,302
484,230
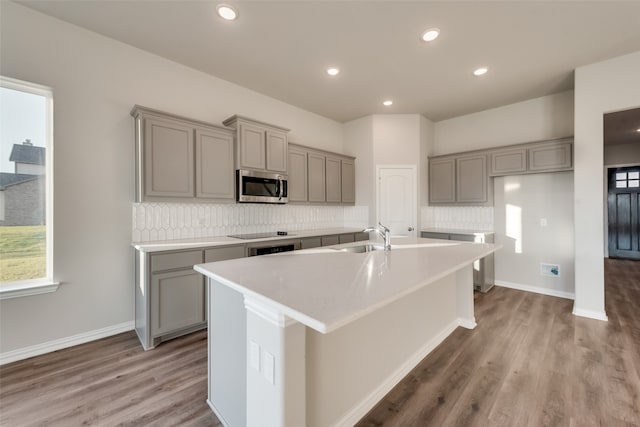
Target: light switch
269,366
543,222
254,355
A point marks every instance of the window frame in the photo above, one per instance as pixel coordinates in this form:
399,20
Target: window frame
46,284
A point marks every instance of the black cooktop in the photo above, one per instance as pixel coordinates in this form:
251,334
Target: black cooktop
260,235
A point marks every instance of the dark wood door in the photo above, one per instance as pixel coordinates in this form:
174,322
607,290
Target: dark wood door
624,210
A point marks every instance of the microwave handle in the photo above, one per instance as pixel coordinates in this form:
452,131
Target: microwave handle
279,189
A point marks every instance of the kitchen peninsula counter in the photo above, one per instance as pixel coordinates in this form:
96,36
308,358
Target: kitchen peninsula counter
317,337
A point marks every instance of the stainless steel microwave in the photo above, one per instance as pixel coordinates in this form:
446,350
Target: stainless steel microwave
261,187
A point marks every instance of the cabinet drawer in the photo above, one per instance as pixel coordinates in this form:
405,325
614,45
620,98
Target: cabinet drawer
221,254
432,235
330,240
359,237
346,238
175,260
310,242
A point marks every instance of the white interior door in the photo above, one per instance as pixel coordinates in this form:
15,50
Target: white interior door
397,199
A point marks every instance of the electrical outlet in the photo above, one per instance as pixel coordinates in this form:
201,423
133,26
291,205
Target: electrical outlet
552,270
268,366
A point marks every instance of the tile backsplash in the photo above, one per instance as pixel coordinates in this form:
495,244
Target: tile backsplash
457,217
167,221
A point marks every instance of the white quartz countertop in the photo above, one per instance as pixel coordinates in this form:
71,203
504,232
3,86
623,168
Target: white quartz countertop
325,289
454,231
204,242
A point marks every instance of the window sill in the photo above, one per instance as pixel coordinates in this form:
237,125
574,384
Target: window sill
27,288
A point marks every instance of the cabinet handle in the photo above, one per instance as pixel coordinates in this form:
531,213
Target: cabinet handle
410,228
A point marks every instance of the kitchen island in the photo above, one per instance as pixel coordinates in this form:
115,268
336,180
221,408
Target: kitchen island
318,337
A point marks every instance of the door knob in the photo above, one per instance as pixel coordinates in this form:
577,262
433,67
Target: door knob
410,228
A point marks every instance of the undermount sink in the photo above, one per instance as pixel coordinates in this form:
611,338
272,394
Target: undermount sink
369,247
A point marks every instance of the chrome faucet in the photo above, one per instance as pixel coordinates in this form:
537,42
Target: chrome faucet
384,232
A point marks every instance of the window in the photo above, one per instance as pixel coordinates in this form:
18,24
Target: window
628,179
26,189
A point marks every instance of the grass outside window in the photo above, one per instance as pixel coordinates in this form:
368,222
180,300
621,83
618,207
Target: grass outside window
22,253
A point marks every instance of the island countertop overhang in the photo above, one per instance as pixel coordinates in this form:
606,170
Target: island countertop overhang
325,289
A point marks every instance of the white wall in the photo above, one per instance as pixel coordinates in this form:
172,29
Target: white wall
533,120
600,88
521,202
537,119
358,142
96,81
426,142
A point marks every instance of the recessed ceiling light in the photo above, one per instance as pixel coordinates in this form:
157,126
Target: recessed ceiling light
431,34
387,103
638,130
226,12
333,71
480,71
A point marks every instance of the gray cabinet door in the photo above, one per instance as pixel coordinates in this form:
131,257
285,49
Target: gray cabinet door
508,161
168,159
251,147
348,181
551,156
433,235
297,183
359,237
316,177
214,165
175,260
346,238
277,151
442,178
224,253
177,301
472,180
333,180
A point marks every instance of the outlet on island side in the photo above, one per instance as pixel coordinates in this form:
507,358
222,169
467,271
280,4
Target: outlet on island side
552,270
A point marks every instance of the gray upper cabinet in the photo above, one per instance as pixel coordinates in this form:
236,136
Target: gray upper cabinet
442,178
277,152
179,159
297,175
333,179
316,177
460,180
535,157
552,156
472,180
214,164
168,158
259,146
348,181
251,147
509,161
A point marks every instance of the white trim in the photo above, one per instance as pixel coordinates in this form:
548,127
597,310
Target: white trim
536,289
59,344
26,288
467,323
361,409
597,315
215,411
267,313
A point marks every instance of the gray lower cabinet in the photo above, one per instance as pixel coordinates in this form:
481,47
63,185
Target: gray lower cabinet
330,240
179,159
346,238
358,237
483,269
170,298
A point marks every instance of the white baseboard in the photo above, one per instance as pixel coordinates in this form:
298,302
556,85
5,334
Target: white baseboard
47,347
597,315
215,411
356,413
536,289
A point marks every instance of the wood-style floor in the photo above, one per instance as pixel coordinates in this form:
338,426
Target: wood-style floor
529,362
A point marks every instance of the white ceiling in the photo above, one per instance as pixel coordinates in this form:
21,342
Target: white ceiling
282,49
